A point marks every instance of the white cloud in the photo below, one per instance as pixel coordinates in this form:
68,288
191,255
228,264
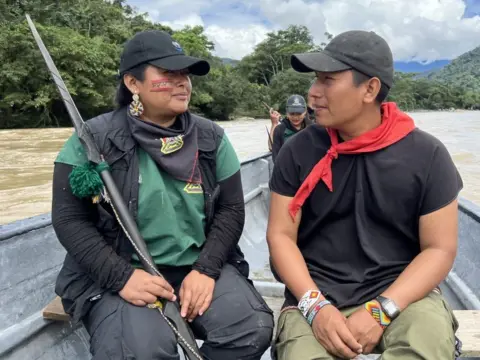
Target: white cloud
171,10
421,30
233,42
230,41
189,20
234,34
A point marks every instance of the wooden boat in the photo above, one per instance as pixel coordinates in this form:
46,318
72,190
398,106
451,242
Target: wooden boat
31,256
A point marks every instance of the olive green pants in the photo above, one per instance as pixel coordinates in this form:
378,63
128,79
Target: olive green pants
424,330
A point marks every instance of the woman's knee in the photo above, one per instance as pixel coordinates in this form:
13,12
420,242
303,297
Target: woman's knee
261,338
120,330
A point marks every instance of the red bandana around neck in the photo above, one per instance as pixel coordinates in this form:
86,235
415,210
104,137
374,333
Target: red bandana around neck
394,127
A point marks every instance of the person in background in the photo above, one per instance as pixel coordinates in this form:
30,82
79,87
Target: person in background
363,225
275,116
296,119
180,177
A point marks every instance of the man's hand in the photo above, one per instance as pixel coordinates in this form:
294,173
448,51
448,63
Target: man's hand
330,329
142,289
274,117
196,294
365,329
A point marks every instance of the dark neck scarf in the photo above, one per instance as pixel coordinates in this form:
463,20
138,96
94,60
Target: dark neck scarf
174,149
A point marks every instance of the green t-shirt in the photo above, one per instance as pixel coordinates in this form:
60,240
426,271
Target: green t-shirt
171,215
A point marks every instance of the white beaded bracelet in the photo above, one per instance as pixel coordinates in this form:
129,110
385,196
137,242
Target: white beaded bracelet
308,300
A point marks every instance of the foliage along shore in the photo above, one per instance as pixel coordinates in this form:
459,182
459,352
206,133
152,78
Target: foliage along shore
85,37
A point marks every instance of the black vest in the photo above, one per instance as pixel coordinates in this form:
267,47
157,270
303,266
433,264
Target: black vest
114,140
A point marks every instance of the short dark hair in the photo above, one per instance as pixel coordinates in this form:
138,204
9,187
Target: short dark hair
359,78
124,96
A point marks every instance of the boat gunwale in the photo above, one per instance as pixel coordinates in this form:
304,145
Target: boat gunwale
469,208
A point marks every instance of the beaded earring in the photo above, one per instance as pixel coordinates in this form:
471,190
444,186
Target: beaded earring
136,107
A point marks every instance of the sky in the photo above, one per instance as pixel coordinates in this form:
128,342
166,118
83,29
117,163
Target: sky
423,31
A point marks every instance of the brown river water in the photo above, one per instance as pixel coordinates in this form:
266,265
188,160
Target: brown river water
27,157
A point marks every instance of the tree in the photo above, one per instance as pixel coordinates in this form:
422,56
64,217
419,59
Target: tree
288,83
86,37
29,97
272,55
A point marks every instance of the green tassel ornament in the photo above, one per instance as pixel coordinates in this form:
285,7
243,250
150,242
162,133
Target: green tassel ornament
85,180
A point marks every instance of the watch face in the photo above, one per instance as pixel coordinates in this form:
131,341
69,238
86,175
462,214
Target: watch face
390,308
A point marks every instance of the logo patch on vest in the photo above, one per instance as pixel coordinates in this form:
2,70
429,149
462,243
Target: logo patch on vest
171,144
193,188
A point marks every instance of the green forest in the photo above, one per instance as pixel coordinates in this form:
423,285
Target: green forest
85,38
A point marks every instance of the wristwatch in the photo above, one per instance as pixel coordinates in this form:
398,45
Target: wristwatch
389,307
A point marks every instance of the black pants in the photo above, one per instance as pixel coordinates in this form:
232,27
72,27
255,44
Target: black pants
237,325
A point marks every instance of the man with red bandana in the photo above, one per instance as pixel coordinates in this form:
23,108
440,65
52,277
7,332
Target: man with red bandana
363,218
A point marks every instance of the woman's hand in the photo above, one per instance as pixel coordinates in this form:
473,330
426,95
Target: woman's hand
196,294
142,289
274,117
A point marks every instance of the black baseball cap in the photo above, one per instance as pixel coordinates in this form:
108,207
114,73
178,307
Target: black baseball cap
364,51
159,49
296,104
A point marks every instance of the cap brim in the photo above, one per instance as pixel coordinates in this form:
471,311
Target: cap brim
296,109
317,61
194,65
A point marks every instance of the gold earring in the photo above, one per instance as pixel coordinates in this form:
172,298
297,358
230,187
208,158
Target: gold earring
136,107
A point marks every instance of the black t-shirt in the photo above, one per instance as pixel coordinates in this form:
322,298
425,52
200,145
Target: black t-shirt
357,239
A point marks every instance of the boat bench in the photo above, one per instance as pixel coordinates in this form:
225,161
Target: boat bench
468,331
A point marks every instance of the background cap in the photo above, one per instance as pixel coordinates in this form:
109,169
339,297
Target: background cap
364,51
158,48
296,104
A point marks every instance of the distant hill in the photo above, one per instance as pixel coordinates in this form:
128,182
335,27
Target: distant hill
228,61
418,67
463,71
426,74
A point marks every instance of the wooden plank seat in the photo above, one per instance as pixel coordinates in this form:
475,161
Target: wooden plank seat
54,311
468,331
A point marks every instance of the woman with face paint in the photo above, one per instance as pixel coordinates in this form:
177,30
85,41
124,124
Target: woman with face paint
180,177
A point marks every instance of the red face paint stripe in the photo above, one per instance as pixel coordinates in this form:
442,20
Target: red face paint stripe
163,84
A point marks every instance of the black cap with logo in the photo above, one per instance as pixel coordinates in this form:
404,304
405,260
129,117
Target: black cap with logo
364,51
296,104
158,48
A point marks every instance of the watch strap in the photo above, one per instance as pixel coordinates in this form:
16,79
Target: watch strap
387,303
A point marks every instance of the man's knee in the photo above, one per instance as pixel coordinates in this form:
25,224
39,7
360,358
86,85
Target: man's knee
295,339
119,330
425,330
